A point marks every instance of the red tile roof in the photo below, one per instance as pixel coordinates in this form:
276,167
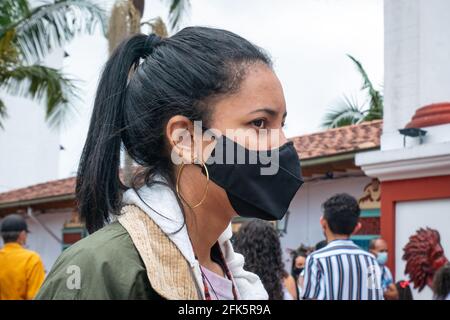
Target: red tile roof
55,188
331,142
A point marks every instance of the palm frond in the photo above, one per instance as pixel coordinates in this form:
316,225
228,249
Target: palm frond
376,103
54,24
177,11
367,84
3,113
347,112
374,114
12,10
375,97
43,84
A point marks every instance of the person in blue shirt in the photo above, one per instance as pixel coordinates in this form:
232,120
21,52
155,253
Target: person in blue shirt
378,247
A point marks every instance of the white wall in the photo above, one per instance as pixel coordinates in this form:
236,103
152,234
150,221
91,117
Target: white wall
306,210
412,215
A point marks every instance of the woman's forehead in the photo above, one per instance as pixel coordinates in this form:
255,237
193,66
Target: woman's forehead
260,89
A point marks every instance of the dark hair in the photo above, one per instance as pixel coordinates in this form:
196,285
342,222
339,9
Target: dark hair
441,282
259,243
321,244
341,211
301,251
178,76
10,236
404,290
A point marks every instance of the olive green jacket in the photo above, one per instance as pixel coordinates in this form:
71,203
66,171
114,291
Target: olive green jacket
128,259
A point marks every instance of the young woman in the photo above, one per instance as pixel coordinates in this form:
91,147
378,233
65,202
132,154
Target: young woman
298,265
259,243
167,236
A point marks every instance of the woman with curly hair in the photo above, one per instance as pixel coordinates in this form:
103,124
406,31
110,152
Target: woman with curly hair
259,243
441,283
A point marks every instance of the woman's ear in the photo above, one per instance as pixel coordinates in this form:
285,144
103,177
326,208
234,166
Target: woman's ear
179,135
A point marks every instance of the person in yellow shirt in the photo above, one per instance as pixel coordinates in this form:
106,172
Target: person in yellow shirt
21,270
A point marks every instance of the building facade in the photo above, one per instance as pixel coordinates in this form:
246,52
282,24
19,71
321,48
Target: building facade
414,165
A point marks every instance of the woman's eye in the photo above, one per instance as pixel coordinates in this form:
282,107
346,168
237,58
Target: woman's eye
260,123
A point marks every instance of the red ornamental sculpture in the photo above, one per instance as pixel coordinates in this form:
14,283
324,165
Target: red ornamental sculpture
424,255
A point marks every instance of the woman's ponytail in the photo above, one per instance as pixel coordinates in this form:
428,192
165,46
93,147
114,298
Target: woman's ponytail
98,186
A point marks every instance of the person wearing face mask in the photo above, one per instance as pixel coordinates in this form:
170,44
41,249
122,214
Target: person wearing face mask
298,266
378,247
179,107
21,270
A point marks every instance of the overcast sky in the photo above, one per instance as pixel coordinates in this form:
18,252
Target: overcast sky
307,39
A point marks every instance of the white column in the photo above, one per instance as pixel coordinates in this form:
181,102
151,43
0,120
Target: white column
417,73
417,63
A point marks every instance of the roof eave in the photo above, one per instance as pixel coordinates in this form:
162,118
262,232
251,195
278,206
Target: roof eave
334,158
31,202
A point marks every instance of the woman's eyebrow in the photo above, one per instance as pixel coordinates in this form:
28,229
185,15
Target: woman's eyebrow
269,111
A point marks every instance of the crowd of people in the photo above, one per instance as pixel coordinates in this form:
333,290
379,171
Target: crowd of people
335,268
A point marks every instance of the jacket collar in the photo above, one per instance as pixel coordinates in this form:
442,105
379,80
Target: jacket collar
169,274
160,204
340,242
12,246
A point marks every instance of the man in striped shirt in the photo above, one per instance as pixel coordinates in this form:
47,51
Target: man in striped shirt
341,270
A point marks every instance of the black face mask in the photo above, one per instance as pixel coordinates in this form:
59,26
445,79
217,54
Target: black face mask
251,193
296,272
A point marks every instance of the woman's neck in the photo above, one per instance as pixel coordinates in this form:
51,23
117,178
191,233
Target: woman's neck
208,221
204,230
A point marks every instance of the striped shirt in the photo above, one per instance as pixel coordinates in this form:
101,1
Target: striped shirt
342,271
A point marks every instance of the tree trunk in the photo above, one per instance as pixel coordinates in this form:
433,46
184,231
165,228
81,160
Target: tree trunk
125,20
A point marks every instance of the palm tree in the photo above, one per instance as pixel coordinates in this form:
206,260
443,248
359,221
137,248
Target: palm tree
349,111
27,35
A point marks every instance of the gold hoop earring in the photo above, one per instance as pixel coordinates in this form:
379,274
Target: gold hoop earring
180,170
